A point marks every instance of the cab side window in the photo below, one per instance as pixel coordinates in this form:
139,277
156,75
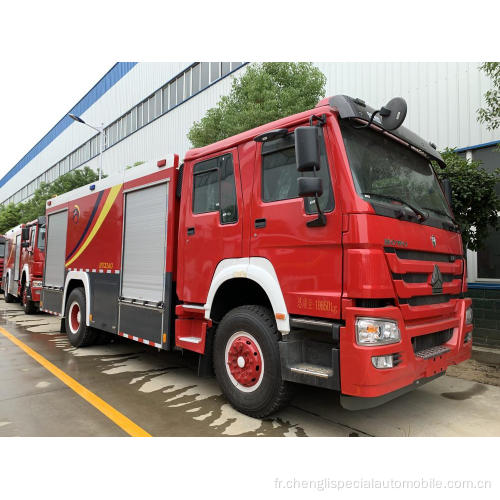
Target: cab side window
279,174
214,188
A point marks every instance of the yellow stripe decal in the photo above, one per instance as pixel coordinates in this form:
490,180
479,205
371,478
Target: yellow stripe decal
114,415
113,193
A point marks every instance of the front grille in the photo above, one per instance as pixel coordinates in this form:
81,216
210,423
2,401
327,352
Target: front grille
423,277
424,342
419,255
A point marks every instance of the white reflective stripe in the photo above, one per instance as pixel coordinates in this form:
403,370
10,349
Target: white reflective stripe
256,269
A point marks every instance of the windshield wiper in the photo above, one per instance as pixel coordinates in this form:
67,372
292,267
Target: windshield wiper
420,215
441,212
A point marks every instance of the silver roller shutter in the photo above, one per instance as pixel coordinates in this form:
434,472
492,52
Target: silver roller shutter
145,243
56,249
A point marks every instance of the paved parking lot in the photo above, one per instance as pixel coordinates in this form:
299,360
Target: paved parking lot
161,393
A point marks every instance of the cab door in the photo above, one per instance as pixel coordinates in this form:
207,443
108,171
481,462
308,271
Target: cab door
307,260
211,221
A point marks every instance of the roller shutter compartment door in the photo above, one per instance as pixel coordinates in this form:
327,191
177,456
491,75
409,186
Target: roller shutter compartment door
144,244
56,249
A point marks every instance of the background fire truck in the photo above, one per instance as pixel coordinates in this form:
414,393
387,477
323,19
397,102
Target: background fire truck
25,257
317,249
2,256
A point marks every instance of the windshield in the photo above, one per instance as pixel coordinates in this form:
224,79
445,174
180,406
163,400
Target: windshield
388,171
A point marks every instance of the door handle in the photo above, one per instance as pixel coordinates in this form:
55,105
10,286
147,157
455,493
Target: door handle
190,231
259,223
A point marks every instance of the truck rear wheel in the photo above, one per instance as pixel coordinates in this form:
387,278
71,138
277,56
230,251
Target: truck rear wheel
247,361
28,305
79,334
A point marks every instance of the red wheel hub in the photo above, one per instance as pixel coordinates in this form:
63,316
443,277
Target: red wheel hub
74,317
244,361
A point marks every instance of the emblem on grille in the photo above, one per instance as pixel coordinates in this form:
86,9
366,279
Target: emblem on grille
437,280
433,240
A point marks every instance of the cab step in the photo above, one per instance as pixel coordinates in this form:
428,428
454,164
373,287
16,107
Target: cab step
312,370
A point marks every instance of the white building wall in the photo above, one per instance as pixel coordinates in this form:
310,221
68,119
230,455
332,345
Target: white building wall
442,102
443,98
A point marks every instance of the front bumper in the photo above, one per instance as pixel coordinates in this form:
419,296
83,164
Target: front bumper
360,379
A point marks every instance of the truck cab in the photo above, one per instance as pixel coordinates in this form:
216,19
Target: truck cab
321,249
32,264
12,261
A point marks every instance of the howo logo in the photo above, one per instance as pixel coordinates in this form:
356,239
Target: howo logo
437,280
395,243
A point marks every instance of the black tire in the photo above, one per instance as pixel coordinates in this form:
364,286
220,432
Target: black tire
255,325
9,298
79,334
28,305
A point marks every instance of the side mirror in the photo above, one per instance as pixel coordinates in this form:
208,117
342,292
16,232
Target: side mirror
394,113
25,244
309,186
307,152
25,233
445,183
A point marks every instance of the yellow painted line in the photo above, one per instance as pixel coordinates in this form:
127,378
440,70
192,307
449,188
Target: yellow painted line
114,415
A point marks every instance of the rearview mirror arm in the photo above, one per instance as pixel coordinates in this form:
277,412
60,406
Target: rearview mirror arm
321,219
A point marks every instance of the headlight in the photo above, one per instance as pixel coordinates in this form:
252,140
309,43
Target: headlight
468,316
370,331
36,283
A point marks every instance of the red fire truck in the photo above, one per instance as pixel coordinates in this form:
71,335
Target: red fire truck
31,265
2,256
317,249
12,260
25,251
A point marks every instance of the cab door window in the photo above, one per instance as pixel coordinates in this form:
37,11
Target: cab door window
279,174
214,188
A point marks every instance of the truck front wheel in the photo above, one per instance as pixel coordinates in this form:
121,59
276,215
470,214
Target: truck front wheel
79,334
28,305
247,361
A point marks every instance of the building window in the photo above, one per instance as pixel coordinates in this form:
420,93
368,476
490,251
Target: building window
165,99
225,68
204,81
214,71
173,95
180,89
196,79
187,84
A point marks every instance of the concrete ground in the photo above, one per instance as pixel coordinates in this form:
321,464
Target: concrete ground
161,393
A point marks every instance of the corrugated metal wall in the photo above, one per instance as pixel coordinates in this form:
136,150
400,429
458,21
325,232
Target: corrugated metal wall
442,97
442,102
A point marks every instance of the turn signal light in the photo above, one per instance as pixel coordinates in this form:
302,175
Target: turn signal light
161,163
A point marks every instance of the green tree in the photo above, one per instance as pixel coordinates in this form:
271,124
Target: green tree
490,115
474,200
264,93
11,215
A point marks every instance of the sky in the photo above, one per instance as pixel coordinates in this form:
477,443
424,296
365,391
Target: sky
41,93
